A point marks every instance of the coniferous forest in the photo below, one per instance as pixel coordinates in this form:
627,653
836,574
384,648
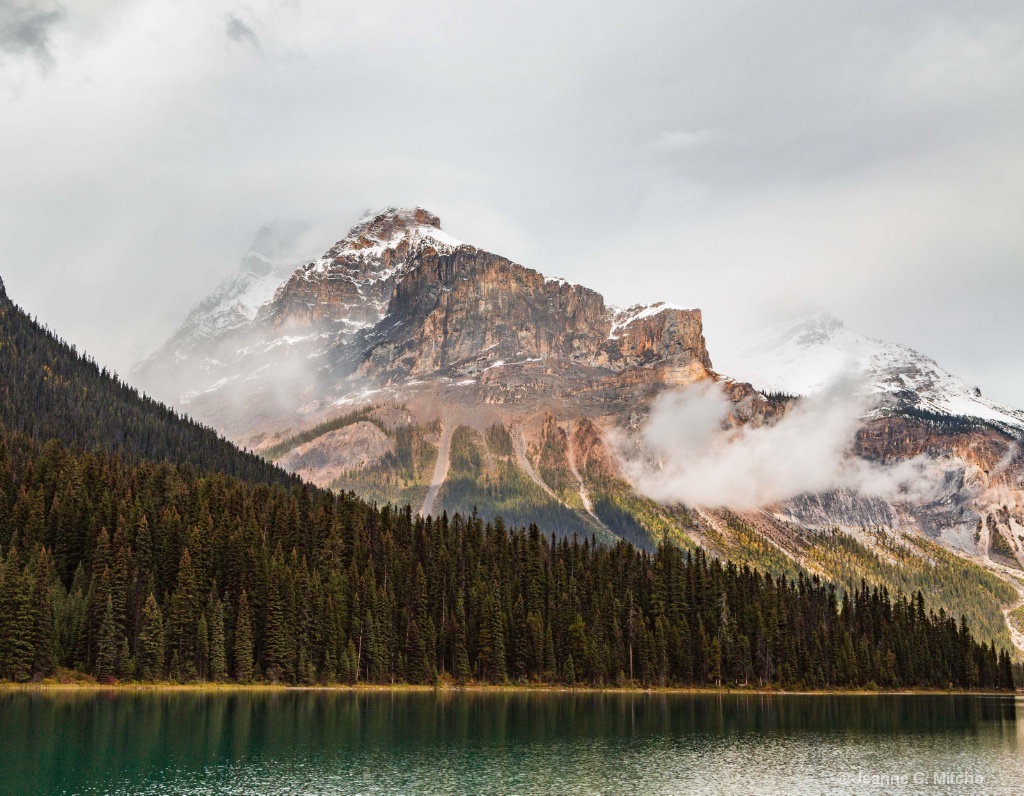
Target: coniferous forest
140,546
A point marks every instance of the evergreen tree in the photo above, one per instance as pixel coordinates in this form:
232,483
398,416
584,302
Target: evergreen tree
218,657
106,654
44,629
151,642
183,622
461,662
17,652
570,671
243,641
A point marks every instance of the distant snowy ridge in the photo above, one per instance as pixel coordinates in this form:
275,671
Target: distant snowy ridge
801,357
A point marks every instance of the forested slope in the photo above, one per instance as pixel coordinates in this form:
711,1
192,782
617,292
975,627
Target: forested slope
149,571
49,391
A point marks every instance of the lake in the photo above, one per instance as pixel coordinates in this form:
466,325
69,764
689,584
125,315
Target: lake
330,742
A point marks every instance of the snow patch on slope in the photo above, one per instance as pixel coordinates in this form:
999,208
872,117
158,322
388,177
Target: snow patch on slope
621,318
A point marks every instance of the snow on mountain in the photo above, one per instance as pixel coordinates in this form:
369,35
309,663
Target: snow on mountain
285,298
622,318
803,356
378,231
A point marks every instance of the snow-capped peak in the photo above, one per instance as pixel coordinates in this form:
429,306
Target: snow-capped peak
803,356
389,228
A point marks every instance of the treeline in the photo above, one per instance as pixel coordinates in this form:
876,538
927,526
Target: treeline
49,391
143,571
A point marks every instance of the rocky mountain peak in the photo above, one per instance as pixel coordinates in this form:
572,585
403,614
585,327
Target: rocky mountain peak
350,286
383,224
394,229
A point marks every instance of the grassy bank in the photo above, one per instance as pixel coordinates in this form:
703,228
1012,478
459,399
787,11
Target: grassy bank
85,685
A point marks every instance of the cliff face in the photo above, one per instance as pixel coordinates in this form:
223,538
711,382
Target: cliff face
463,312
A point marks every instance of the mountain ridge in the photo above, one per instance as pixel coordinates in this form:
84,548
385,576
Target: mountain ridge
805,355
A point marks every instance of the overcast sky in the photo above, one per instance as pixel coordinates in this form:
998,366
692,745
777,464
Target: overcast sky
749,158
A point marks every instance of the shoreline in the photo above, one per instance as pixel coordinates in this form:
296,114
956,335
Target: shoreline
472,688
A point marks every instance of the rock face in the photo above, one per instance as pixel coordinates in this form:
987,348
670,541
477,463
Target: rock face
461,312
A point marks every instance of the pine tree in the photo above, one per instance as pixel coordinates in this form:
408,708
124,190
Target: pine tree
350,673
570,671
106,654
16,649
421,647
202,647
243,641
218,657
183,622
491,652
275,639
549,653
460,665
578,646
151,642
44,629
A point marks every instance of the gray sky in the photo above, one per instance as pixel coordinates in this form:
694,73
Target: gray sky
749,158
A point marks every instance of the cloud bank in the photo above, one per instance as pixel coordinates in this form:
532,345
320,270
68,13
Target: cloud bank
689,452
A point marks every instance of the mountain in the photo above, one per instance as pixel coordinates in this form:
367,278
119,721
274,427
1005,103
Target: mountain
411,367
398,304
804,356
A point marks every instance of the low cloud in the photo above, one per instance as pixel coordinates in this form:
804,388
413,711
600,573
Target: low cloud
691,452
25,28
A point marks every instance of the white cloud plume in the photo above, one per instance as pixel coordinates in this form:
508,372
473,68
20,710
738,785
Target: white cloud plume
690,453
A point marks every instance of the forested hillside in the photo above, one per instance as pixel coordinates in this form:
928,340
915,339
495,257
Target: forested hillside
152,572
49,391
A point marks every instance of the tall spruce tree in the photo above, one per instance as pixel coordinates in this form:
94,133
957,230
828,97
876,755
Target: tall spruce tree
16,649
106,653
218,656
243,640
151,644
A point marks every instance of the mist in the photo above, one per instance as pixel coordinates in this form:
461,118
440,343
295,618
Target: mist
689,452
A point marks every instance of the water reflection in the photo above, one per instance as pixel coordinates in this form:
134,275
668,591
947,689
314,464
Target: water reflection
513,742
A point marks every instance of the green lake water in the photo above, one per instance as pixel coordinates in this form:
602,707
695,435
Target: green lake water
310,742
